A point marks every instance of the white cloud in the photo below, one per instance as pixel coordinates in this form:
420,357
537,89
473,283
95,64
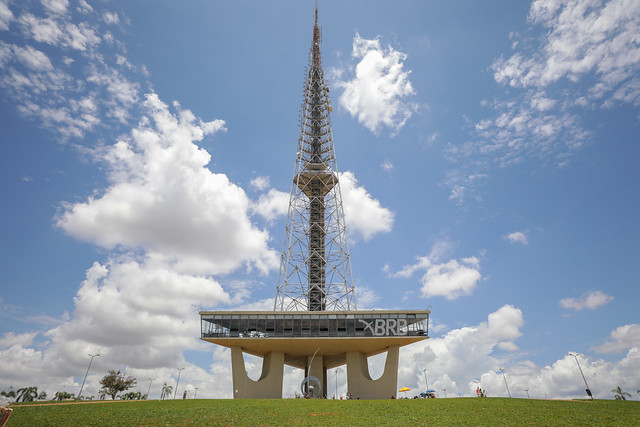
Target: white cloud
622,338
590,300
33,58
141,314
272,204
111,18
261,183
6,16
477,352
56,6
376,93
450,279
587,56
363,214
581,37
518,237
387,165
10,339
163,199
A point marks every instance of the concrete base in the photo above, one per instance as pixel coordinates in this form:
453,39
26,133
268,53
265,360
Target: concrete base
268,386
359,382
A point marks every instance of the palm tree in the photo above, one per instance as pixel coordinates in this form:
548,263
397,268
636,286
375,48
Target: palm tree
619,394
27,394
166,391
62,395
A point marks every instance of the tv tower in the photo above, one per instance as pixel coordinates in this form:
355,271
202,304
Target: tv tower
315,325
315,268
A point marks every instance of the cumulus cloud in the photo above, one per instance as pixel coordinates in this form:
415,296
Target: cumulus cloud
363,214
261,183
622,338
450,279
10,339
376,94
164,199
518,237
272,204
464,353
460,357
590,300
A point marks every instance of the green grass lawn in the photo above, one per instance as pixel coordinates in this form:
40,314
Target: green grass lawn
401,412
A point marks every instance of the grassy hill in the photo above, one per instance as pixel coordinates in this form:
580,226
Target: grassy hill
458,411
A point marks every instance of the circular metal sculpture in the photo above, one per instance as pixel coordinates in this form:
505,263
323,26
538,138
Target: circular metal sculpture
314,387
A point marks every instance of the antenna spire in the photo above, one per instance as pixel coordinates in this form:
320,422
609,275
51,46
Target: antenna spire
315,268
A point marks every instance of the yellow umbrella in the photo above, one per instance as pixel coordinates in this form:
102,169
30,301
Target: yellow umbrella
405,389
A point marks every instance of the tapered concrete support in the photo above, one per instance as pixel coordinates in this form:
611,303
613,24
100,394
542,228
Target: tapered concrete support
269,386
359,382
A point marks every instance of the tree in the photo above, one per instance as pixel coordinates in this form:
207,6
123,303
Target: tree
27,394
62,395
133,395
115,382
12,393
166,391
619,394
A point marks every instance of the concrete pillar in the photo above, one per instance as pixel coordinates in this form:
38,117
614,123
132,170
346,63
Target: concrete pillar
268,386
359,382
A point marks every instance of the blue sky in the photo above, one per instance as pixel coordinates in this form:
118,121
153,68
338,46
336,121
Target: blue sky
488,154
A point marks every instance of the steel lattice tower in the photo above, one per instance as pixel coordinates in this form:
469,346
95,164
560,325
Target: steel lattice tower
315,268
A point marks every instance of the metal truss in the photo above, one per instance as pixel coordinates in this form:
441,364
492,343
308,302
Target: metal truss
315,268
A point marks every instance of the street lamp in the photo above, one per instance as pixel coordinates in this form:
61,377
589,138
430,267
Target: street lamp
85,375
505,381
527,390
177,382
575,356
424,371
336,393
149,390
445,392
196,393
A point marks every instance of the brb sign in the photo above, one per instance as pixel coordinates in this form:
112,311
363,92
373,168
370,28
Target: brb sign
386,327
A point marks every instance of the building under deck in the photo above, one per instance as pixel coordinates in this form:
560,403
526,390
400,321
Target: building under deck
315,341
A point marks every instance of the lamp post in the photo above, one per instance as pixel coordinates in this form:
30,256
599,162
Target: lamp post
424,371
196,393
177,382
445,392
527,390
149,390
505,381
85,375
336,393
575,356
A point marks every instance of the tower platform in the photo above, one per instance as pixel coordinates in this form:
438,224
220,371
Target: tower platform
315,341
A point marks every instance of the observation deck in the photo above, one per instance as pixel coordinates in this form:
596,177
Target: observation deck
298,334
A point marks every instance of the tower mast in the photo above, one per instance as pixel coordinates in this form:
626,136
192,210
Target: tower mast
315,268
